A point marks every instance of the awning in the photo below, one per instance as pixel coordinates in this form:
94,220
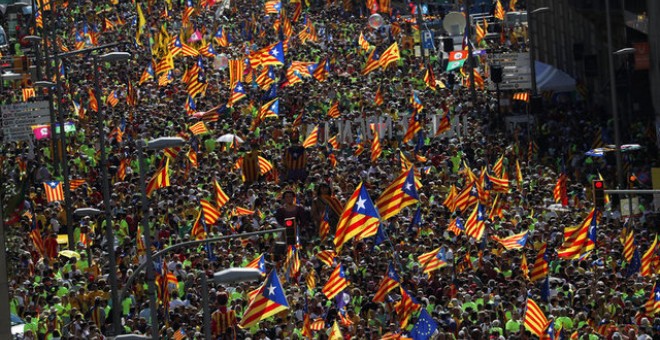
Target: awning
549,78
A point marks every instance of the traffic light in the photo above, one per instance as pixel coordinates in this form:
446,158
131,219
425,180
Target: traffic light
291,231
279,251
598,187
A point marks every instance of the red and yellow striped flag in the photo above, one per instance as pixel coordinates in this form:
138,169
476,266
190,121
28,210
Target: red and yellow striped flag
648,257
336,283
28,92
535,320
333,112
376,149
220,197
629,246
75,184
198,128
54,191
160,179
312,139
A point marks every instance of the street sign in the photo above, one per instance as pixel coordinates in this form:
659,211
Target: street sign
516,70
17,119
427,40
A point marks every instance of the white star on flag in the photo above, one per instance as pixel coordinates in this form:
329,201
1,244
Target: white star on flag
271,290
360,203
274,52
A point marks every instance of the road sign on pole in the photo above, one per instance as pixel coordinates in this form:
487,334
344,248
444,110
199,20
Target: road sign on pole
516,70
18,119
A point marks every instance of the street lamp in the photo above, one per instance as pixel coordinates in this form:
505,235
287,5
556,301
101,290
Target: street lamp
230,275
625,51
532,48
9,76
615,109
156,144
35,41
109,235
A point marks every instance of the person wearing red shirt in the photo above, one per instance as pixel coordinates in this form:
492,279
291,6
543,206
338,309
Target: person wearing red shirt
51,246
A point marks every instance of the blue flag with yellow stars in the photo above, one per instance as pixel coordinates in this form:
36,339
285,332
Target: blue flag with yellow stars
425,327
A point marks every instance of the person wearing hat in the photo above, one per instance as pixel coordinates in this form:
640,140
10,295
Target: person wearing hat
291,213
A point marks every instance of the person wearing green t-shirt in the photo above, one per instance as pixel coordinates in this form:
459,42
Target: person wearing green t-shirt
513,325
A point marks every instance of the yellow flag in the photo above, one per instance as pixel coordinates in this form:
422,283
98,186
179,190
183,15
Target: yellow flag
141,23
335,333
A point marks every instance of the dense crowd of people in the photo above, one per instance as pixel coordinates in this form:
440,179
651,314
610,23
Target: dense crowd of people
480,292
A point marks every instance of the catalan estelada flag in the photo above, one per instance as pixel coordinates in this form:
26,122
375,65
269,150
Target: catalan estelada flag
270,109
433,260
516,241
237,94
37,240
336,283
54,191
373,62
401,193
160,179
269,301
405,308
456,226
390,55
258,263
389,282
222,37
580,239
475,224
272,55
653,304
359,218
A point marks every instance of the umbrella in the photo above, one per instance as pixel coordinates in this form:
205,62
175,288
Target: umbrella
557,207
70,254
600,152
228,138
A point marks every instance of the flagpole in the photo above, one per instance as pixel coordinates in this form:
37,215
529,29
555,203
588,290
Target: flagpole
473,92
394,252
